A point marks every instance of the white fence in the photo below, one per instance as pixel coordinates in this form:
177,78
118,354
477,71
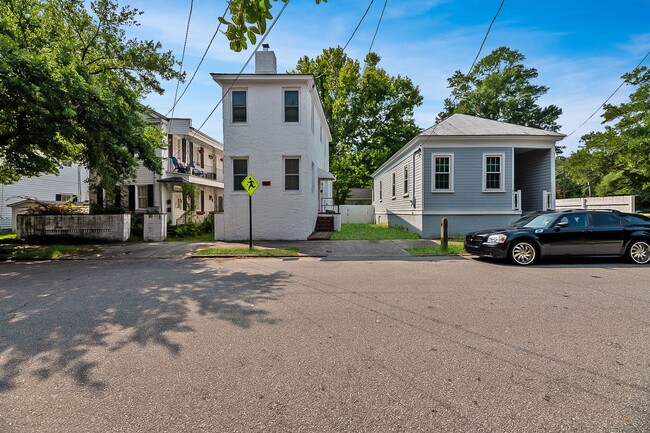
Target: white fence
357,214
624,203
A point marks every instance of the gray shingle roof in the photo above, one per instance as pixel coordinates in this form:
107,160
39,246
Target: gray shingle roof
460,125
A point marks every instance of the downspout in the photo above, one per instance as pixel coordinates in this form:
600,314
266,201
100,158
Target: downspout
414,201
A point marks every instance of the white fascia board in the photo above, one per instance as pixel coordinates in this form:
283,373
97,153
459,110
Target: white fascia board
520,141
446,212
398,156
206,139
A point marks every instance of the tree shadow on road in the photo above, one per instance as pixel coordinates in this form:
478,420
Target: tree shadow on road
53,315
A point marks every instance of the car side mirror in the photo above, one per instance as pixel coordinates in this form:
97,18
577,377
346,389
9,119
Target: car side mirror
561,225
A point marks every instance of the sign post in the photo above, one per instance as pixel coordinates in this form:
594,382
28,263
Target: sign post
250,185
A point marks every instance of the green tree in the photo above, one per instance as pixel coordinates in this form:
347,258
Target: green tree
370,114
499,88
71,89
248,19
616,161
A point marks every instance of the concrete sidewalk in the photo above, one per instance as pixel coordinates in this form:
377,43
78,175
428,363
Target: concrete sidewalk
329,249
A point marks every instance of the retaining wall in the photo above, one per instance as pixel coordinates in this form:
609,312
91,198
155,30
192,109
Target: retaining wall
114,228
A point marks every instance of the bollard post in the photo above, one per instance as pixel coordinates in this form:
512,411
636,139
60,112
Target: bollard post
444,237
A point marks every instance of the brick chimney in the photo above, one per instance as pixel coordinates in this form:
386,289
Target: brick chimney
265,62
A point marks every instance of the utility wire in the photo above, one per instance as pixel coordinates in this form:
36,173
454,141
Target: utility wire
607,100
486,36
245,64
378,24
180,68
205,53
354,32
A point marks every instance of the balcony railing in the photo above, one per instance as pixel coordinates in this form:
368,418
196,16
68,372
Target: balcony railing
196,171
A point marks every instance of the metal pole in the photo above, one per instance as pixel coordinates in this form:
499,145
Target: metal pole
250,222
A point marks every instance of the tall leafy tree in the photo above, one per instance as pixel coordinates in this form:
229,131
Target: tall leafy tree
246,19
499,87
370,114
616,161
70,89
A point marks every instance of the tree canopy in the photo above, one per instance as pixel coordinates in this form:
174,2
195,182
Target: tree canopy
616,161
499,88
71,89
370,114
248,19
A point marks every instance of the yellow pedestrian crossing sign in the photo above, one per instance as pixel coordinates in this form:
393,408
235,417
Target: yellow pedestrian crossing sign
250,184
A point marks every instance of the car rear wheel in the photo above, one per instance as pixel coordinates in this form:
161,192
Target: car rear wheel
639,252
523,253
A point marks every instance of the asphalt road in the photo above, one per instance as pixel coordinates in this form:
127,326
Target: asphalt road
309,345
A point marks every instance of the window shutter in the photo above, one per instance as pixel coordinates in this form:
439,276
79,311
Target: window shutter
118,198
191,152
131,197
149,195
57,197
100,197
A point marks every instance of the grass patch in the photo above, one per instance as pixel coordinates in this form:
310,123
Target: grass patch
454,249
205,237
371,232
245,252
41,253
7,236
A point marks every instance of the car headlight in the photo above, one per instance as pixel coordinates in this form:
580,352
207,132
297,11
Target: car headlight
496,239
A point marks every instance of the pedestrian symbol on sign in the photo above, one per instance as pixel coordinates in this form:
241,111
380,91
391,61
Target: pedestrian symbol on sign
250,184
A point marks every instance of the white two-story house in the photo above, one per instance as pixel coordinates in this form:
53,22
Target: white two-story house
191,157
275,129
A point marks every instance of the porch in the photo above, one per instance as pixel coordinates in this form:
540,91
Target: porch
534,180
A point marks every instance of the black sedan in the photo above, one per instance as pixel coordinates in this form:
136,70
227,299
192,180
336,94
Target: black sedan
566,233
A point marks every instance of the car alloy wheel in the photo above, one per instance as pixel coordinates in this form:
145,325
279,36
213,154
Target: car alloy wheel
639,252
523,253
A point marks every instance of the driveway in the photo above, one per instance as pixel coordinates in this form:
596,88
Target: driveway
312,345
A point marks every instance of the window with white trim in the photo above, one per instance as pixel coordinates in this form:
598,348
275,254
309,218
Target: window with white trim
239,106
143,196
443,177
393,177
239,171
291,174
493,172
406,180
291,106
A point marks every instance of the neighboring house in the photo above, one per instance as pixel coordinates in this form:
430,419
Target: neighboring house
70,184
275,129
191,157
359,196
477,173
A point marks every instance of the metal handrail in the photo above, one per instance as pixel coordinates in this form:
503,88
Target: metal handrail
327,205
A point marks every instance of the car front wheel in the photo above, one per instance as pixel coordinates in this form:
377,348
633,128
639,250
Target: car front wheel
523,253
639,252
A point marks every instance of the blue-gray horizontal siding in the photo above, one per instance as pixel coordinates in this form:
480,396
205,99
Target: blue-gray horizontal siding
533,176
460,225
468,192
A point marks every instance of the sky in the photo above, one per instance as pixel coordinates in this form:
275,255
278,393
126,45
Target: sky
580,48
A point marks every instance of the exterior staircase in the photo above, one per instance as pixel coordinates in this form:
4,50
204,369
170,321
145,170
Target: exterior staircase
325,223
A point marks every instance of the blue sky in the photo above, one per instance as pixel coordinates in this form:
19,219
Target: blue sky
580,48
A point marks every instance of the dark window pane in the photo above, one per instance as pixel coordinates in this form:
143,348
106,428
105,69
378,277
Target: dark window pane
605,220
291,166
442,181
292,174
239,106
240,171
291,106
493,181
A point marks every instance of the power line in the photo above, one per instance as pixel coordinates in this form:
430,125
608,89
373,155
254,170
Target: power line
245,64
196,70
180,68
378,24
607,100
355,31
486,36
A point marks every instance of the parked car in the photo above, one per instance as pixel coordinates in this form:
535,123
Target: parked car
567,233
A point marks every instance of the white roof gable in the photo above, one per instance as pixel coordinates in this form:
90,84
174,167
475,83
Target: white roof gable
462,125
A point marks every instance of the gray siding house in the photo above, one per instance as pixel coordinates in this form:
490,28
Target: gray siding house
478,173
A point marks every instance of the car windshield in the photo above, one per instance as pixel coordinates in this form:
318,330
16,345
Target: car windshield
535,221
